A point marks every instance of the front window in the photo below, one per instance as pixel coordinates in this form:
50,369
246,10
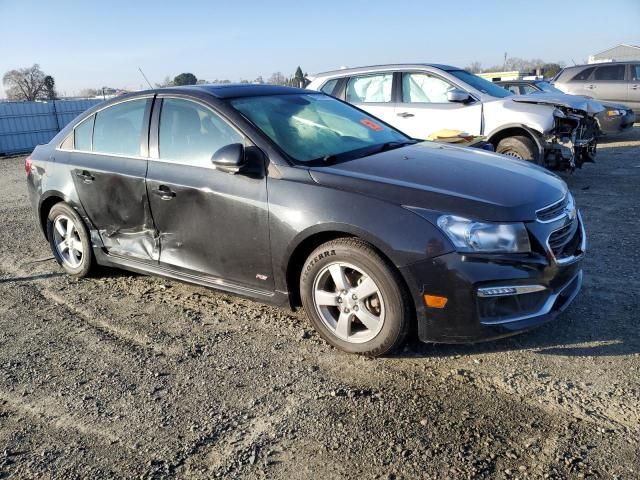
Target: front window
192,133
424,88
480,84
310,127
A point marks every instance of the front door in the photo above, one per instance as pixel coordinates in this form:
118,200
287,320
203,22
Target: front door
109,163
211,223
424,108
372,93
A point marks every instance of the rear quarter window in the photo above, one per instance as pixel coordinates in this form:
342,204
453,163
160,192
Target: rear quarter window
82,135
610,72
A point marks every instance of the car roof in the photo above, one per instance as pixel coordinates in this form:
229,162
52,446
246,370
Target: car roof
601,64
224,90
390,66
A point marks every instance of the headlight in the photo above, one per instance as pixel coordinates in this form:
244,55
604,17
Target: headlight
471,236
615,113
558,113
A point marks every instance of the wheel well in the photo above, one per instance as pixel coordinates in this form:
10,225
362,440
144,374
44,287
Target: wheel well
510,132
45,208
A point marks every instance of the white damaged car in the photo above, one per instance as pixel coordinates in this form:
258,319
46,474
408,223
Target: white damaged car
420,99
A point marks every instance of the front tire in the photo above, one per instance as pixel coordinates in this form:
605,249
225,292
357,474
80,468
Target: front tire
355,299
520,147
69,240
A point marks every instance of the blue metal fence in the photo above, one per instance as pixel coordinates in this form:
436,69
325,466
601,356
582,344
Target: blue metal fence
23,125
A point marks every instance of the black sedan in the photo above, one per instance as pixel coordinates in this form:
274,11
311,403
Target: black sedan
296,198
615,118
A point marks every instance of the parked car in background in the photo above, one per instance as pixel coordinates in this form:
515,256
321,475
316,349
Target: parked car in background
422,98
614,82
615,118
296,198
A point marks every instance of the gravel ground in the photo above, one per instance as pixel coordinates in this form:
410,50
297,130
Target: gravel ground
123,375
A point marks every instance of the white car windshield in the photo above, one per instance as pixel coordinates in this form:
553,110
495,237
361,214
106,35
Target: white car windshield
480,84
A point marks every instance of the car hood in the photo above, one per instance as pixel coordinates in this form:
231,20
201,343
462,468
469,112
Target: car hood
449,179
575,102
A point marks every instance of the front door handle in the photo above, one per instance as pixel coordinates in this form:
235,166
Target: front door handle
164,192
405,114
85,176
635,87
591,87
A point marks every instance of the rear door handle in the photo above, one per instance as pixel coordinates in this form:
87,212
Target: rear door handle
635,87
405,114
85,176
591,87
164,192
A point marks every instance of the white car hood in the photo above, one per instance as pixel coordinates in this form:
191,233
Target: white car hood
575,102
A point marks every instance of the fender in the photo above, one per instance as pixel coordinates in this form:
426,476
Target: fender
535,136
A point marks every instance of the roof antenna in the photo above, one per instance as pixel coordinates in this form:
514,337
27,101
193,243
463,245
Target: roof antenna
145,77
574,62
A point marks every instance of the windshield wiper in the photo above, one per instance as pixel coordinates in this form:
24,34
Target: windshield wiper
392,145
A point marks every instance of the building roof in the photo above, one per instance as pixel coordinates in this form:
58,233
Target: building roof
627,45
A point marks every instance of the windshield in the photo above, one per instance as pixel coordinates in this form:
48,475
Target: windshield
547,87
312,126
480,84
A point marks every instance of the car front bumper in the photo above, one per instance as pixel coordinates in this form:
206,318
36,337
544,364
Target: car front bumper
475,310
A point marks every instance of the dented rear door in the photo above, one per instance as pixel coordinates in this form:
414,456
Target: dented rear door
109,175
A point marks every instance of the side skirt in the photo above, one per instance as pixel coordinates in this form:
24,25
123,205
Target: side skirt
276,298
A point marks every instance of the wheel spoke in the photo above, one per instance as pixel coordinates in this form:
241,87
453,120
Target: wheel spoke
60,228
62,247
366,288
338,276
70,229
368,319
343,327
323,297
77,246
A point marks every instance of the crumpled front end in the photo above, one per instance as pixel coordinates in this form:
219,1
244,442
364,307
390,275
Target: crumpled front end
572,141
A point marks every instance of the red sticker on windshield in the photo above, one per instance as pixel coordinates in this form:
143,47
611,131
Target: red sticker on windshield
371,124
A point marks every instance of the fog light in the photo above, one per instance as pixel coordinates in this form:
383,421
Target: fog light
435,301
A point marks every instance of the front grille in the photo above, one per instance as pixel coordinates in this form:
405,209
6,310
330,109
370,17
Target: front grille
553,211
565,241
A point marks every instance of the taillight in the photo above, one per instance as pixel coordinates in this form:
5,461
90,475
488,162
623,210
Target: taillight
28,164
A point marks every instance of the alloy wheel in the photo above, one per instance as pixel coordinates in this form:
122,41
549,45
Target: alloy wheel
67,241
349,302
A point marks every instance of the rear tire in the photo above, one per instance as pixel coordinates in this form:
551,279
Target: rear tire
519,147
69,240
355,298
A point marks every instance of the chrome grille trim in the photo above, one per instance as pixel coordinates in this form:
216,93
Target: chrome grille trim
554,211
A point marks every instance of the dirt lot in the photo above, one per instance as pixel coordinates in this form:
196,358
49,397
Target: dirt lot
123,375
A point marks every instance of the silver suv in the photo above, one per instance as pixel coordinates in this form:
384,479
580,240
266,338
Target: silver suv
615,81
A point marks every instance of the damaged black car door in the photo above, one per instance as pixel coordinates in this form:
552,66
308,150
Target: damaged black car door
211,223
109,163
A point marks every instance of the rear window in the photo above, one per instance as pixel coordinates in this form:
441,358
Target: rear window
370,88
610,72
118,129
583,75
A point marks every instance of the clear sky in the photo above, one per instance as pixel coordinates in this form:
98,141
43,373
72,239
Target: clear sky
94,44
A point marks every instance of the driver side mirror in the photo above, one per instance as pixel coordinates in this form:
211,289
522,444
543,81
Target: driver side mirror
458,96
230,158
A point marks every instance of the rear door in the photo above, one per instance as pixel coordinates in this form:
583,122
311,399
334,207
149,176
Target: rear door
608,82
373,94
424,108
108,165
211,224
633,95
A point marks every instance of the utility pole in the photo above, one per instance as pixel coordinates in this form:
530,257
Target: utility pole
504,64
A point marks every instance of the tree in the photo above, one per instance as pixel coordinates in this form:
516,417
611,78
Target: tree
298,78
167,82
49,88
185,79
475,67
550,69
90,92
24,83
259,79
277,79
